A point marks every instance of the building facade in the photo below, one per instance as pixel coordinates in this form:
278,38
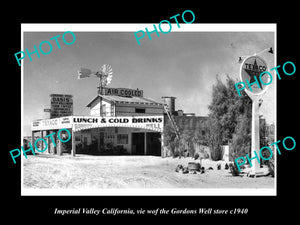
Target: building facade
121,121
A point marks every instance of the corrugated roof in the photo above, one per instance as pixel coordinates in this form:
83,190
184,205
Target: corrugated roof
130,100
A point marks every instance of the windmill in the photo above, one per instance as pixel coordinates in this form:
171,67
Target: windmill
104,75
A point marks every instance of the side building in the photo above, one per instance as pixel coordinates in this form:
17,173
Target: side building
193,131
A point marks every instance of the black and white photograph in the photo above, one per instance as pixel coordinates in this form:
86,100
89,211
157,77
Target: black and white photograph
110,116
149,112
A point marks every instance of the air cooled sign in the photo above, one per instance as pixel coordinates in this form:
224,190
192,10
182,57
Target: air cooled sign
125,92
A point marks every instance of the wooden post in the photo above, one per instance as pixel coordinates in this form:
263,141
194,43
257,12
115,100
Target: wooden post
73,143
42,136
145,143
32,139
59,147
55,141
48,141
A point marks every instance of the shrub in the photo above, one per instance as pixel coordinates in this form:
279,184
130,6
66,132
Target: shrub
270,164
234,169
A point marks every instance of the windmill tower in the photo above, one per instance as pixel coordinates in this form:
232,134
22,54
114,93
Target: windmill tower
104,75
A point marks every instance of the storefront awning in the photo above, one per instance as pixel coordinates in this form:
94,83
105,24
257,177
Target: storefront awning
77,123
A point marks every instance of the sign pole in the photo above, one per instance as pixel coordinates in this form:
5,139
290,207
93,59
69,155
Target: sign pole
73,142
255,139
254,79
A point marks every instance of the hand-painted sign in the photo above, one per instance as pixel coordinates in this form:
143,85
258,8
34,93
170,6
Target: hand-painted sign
154,123
77,123
125,92
61,105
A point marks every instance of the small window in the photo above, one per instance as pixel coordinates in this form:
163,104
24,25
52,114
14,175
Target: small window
140,110
203,132
103,110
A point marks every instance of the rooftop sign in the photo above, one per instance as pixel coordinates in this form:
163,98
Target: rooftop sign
125,92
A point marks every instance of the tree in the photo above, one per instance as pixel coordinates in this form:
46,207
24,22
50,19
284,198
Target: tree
186,142
214,138
229,116
199,137
170,139
241,140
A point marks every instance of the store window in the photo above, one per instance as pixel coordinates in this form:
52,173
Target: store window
140,110
122,139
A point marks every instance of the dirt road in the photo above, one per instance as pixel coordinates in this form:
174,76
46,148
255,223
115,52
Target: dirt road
84,171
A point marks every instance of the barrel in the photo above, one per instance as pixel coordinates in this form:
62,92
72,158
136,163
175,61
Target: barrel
192,166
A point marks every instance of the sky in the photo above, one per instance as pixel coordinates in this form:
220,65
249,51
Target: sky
179,64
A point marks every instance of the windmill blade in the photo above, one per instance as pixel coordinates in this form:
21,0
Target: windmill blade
107,72
106,69
109,78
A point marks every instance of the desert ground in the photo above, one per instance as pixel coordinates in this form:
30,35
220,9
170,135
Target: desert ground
86,171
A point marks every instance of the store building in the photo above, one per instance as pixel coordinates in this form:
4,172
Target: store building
121,121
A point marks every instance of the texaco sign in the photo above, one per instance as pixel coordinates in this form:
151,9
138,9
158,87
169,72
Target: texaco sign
252,74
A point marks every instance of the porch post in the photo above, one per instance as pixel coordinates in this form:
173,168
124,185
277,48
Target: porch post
55,141
145,144
32,139
59,147
42,136
73,143
48,141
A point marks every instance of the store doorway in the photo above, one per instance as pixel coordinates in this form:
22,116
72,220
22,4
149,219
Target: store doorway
153,143
138,143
